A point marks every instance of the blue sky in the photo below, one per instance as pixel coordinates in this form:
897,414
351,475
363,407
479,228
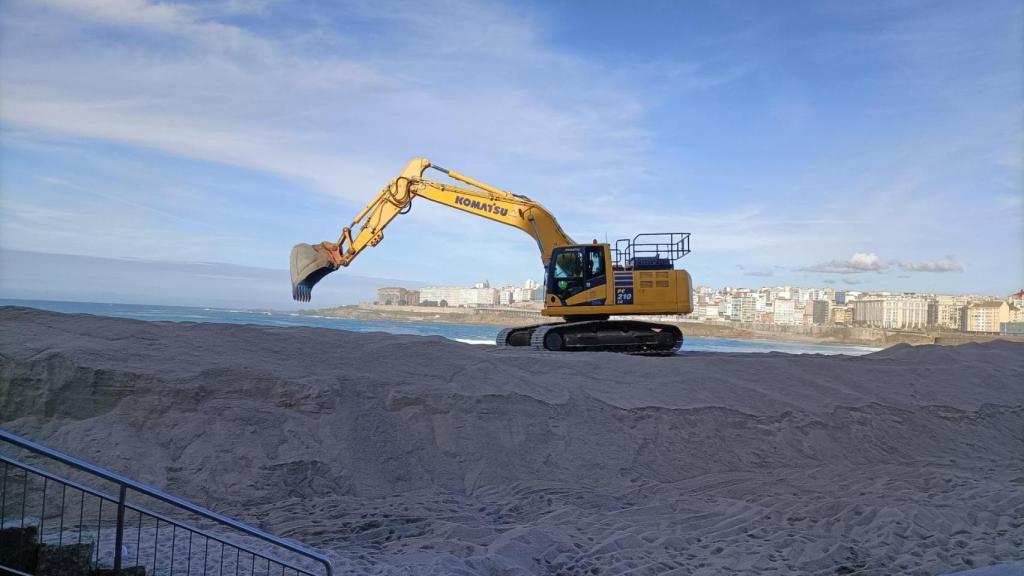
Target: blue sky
870,145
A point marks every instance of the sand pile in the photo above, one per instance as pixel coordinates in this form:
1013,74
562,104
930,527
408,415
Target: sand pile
420,455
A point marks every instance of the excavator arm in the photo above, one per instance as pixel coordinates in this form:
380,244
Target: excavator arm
310,263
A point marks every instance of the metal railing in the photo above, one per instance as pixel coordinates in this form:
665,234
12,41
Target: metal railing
141,537
666,246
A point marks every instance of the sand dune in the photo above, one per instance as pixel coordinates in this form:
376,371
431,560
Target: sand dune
403,454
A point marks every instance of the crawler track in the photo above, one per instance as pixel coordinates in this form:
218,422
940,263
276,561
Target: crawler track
623,336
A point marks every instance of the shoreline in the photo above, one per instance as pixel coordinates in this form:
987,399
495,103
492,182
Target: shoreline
855,336
825,335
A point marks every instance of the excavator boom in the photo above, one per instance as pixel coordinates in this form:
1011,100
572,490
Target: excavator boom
310,263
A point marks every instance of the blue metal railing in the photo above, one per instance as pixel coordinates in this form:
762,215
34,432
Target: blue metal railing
145,521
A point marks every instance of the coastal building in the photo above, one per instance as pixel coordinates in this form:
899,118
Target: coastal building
1016,299
506,295
986,316
1011,329
725,307
804,295
841,315
396,296
819,312
439,295
760,300
907,311
525,294
893,312
457,296
807,317
947,312
780,292
1016,302
1016,314
744,308
868,312
784,312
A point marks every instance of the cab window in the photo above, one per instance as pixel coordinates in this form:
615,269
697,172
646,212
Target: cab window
569,265
595,262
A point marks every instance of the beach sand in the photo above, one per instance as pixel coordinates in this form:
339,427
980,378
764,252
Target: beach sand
419,455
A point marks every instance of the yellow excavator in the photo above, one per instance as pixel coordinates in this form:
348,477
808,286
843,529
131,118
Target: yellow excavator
585,284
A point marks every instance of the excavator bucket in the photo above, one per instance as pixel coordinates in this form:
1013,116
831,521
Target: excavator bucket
310,263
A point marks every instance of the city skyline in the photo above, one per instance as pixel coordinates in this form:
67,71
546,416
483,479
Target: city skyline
699,286
758,309
32,276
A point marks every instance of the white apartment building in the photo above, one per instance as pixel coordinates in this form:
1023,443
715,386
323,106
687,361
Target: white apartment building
761,303
506,295
780,292
707,311
804,295
905,312
705,292
725,307
893,312
820,294
458,296
784,311
527,294
744,308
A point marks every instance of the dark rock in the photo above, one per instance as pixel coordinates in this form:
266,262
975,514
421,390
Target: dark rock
67,560
18,548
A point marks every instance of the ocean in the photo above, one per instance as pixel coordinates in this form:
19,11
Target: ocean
468,333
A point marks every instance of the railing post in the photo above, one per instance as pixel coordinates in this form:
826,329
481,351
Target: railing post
119,538
124,484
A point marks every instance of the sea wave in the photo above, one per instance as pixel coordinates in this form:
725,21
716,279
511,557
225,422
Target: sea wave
473,341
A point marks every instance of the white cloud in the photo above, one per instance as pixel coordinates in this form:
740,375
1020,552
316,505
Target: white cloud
861,262
756,272
857,263
947,264
464,83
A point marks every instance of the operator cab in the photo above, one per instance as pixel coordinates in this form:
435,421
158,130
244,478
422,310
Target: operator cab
575,269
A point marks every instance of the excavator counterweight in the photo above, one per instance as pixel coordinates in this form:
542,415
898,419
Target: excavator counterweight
585,284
